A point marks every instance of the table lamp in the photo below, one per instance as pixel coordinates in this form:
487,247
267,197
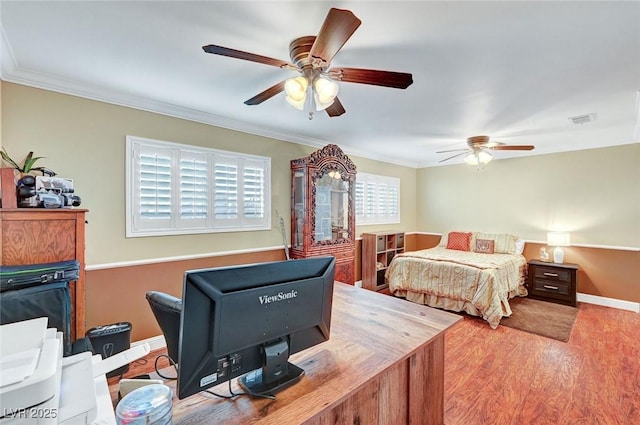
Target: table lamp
558,239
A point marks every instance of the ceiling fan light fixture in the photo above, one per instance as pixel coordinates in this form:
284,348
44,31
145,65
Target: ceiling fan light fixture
296,89
484,157
480,157
471,159
326,89
298,104
320,105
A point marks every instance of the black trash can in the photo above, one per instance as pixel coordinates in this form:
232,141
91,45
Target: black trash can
111,339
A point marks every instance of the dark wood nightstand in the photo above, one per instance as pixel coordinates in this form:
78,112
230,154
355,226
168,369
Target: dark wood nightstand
553,282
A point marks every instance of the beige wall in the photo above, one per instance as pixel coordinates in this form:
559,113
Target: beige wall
594,194
85,140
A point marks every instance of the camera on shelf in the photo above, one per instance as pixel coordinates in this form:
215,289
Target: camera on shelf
46,192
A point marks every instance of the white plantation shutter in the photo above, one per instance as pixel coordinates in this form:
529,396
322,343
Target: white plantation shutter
254,191
177,189
359,201
194,190
371,200
394,202
226,189
154,174
377,199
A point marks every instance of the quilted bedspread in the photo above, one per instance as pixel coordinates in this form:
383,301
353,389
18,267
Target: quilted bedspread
479,284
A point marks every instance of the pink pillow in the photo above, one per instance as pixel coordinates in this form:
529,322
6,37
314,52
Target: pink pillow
459,241
485,246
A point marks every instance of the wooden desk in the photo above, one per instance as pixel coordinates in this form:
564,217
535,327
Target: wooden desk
383,364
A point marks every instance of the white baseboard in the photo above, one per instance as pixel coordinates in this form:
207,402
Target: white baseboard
609,302
155,342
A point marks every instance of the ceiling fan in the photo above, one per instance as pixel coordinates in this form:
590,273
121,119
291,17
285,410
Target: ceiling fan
311,57
477,152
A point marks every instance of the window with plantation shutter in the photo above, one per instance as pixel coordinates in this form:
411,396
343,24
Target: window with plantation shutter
377,199
180,189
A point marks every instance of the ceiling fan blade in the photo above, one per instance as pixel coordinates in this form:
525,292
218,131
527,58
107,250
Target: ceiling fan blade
337,28
397,80
454,156
335,109
239,54
453,150
511,147
266,95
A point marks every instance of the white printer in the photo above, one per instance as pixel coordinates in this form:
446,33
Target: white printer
40,387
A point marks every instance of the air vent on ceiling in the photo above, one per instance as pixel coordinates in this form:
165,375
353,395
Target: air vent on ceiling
582,119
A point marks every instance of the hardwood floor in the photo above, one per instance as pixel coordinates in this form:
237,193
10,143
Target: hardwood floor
509,377
506,376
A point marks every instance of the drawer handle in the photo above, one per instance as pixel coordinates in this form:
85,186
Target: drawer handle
551,274
551,287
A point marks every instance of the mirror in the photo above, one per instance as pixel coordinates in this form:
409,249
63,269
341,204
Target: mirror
297,235
332,200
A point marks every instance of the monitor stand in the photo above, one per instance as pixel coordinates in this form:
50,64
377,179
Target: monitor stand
253,385
276,374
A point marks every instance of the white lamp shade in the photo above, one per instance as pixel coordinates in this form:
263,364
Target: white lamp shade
558,239
484,157
298,104
296,89
471,159
327,90
478,157
321,106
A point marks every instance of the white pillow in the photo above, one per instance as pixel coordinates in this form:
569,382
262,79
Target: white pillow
519,246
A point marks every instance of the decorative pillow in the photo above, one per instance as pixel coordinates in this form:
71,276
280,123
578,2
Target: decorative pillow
504,243
459,240
484,246
519,246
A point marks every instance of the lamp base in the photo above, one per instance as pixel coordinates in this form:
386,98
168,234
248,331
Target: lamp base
558,255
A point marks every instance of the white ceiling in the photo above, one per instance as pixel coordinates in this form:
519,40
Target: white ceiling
513,70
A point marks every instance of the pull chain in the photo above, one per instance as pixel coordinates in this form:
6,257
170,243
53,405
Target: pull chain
310,101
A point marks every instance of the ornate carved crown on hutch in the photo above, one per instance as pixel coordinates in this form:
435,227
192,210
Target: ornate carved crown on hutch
322,209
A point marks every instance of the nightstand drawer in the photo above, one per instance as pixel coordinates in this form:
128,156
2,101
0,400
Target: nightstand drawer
553,274
548,286
553,282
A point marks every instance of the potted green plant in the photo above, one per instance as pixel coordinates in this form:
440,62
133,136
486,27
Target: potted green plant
27,165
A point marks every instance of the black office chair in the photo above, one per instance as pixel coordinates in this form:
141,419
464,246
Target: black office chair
166,308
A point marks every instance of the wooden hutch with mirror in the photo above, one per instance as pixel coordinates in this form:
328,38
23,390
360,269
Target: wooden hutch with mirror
322,209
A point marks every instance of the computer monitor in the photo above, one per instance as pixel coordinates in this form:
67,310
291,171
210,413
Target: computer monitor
247,320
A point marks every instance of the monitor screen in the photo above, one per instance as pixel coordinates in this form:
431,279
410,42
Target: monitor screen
245,321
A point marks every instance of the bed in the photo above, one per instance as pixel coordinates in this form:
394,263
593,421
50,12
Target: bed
478,275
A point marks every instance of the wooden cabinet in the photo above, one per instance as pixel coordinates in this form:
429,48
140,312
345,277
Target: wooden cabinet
32,236
553,282
378,249
322,209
